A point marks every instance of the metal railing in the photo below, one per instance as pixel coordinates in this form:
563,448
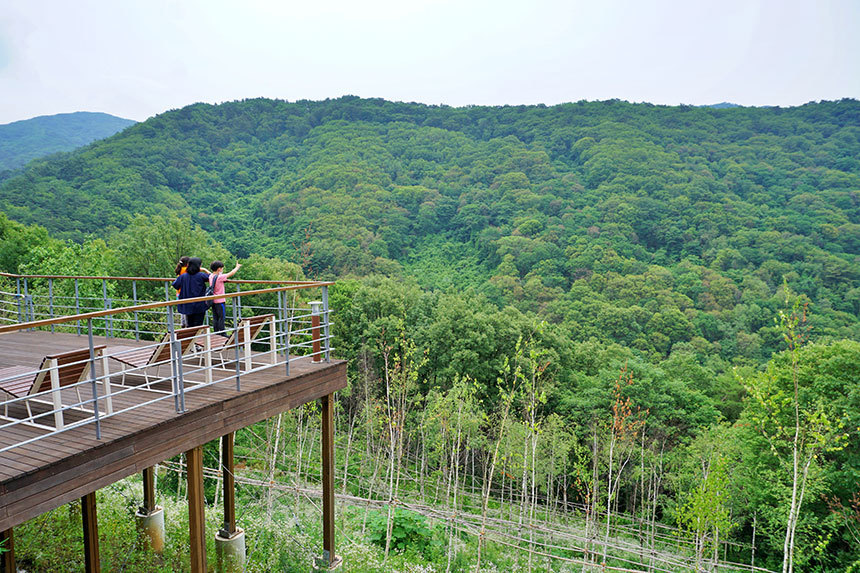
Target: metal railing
270,327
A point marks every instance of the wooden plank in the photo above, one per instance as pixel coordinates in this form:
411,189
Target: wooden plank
64,467
29,512
74,470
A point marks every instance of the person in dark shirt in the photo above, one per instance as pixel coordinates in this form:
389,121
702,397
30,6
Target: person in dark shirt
181,267
192,284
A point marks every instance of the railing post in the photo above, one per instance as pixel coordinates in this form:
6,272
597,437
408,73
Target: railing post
282,302
26,302
29,308
134,298
105,306
325,323
77,305
51,300
18,298
29,312
178,351
93,379
109,318
236,329
315,330
238,301
170,329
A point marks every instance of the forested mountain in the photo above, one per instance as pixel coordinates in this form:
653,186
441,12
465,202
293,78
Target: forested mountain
710,255
23,141
640,224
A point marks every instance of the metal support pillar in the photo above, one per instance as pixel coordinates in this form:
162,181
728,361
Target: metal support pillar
91,533
329,559
7,559
196,514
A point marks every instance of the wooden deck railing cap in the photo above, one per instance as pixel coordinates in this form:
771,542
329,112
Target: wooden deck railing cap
160,279
153,305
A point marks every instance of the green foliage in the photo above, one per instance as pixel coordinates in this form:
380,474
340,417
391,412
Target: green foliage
660,238
151,246
410,532
706,514
649,226
19,244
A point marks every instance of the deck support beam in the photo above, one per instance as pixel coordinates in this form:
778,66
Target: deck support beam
7,560
230,540
91,533
228,529
150,517
196,514
329,558
148,490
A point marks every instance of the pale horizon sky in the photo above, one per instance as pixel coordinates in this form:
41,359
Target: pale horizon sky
135,59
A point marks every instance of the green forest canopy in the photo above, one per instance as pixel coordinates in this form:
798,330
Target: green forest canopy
663,240
645,225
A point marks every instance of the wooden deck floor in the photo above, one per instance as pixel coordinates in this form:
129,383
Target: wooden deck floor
55,470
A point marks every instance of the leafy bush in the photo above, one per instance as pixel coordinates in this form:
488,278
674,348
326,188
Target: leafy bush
409,532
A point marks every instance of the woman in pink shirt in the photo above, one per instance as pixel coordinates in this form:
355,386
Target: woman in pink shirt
216,279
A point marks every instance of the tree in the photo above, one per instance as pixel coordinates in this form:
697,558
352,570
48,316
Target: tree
706,513
798,423
151,246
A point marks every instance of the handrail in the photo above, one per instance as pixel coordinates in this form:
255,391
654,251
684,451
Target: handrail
283,322
154,279
154,305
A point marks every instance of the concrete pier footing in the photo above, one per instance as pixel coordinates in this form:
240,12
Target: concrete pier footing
230,552
151,527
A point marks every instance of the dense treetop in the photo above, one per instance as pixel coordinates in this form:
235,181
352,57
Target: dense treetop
645,225
663,242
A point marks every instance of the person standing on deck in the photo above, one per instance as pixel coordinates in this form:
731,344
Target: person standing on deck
219,306
180,269
192,284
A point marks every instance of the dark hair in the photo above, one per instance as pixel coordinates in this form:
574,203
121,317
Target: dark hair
194,265
216,265
183,262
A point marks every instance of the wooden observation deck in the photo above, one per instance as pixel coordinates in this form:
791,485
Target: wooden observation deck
112,424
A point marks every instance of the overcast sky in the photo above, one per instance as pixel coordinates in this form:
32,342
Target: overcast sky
136,59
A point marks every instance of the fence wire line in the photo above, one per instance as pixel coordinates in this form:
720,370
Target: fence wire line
464,523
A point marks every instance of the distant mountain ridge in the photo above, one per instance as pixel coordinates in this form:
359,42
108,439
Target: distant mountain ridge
23,141
723,105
